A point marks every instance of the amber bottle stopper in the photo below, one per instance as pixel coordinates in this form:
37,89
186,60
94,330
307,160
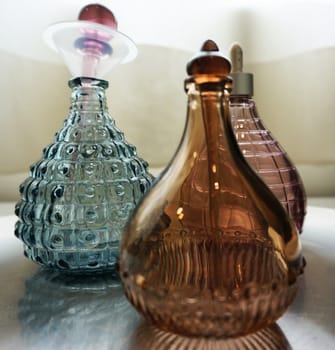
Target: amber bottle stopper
209,61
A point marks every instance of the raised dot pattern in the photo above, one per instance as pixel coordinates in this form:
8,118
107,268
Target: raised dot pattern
80,194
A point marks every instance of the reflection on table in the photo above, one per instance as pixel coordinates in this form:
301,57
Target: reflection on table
59,311
41,309
63,311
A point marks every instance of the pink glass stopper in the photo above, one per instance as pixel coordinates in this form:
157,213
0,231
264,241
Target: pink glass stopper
94,43
91,45
98,14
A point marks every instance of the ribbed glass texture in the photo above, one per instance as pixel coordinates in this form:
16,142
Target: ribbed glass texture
210,250
267,157
151,338
79,195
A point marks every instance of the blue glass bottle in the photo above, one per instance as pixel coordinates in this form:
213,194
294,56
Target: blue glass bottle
79,195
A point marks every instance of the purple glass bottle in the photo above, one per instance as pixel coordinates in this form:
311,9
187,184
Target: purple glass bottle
263,152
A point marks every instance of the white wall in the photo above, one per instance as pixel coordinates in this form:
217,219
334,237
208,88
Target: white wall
289,46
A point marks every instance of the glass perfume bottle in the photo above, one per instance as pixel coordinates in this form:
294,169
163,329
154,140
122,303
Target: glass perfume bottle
209,250
79,195
263,152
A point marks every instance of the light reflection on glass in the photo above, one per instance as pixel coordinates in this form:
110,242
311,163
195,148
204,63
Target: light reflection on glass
89,312
149,337
61,311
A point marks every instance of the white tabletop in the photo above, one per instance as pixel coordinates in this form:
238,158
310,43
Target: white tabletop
40,310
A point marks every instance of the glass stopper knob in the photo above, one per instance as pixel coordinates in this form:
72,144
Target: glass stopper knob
98,14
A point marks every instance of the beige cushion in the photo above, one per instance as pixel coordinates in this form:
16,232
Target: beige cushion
146,97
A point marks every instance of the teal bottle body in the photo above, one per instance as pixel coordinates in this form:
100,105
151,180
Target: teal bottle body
79,195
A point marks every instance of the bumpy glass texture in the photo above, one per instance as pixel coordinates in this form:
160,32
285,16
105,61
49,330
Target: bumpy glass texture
209,250
267,157
79,195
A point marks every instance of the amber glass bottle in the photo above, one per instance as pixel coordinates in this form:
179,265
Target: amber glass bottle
210,250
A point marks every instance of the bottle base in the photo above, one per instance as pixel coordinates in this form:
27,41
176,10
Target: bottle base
211,288
229,319
74,262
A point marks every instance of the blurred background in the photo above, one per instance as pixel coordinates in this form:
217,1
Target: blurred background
288,45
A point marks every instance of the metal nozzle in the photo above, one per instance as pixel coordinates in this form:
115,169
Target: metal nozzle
242,82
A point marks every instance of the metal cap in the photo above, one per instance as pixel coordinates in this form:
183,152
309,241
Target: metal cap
243,83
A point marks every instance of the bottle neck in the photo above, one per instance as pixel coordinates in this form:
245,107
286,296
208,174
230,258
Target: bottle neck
87,81
215,165
213,104
245,99
210,98
243,84
88,94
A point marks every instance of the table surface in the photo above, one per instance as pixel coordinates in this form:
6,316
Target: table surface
40,309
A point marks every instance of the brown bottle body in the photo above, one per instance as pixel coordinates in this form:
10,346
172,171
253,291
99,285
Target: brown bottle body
210,251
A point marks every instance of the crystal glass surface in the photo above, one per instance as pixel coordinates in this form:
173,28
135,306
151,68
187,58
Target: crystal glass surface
79,195
259,147
210,250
